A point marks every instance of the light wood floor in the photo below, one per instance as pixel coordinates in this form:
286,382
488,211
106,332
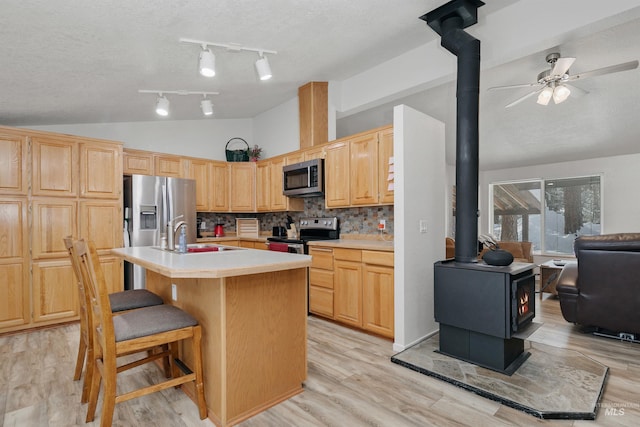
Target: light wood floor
351,382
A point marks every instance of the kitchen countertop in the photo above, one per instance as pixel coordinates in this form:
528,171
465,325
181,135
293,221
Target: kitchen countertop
236,262
373,245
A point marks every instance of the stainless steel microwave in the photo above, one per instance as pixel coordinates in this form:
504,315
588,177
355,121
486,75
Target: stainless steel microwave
303,179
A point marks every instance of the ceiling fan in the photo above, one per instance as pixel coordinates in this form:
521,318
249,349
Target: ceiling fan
554,82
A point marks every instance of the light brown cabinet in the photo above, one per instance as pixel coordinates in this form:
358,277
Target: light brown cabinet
53,220
347,286
100,171
200,171
55,292
363,170
168,165
137,162
13,164
263,186
314,153
321,281
243,187
54,162
313,113
378,292
269,187
385,154
336,177
101,220
219,189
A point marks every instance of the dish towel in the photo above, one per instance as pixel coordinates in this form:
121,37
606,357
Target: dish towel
279,247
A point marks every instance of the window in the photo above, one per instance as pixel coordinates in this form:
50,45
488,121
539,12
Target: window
571,208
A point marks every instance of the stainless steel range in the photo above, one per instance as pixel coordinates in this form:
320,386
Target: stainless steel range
308,229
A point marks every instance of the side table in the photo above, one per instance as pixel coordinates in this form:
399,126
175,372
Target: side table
549,273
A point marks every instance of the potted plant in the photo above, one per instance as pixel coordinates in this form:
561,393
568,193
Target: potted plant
254,153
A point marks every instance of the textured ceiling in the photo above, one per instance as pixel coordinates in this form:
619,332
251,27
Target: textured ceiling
78,61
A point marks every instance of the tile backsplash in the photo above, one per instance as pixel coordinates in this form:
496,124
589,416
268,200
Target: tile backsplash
362,220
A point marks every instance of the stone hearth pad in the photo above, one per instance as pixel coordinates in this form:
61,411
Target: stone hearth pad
553,383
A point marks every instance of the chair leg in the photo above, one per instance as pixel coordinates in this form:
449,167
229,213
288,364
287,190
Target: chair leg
109,398
82,350
94,389
197,352
175,371
88,375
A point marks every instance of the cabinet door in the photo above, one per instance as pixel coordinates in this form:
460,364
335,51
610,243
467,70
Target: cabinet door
243,187
13,164
277,200
364,170
336,177
295,157
219,188
385,152
314,153
168,165
55,292
348,292
54,163
200,170
100,170
263,180
13,229
53,220
101,222
378,299
137,163
14,287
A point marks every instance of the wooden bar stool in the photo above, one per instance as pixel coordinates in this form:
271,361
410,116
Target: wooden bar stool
134,331
120,302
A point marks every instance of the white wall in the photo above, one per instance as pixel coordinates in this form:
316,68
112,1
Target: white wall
620,201
196,138
277,130
418,145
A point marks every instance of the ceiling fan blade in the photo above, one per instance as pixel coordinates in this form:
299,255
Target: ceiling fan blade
514,86
522,98
606,70
576,91
562,66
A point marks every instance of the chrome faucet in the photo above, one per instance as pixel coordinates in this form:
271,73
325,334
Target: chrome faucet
171,232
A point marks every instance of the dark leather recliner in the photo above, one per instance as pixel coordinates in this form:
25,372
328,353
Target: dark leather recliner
602,289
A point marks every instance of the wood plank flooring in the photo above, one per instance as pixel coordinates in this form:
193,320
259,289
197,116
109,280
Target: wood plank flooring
351,382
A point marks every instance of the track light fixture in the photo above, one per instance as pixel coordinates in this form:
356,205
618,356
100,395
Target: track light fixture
162,103
263,68
207,58
207,62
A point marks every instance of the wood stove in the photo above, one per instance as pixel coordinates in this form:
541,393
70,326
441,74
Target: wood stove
484,312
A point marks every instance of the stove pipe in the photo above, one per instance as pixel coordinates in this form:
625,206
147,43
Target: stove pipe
448,21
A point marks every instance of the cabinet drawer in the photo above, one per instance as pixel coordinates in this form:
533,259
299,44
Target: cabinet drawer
377,258
347,254
321,258
321,301
322,278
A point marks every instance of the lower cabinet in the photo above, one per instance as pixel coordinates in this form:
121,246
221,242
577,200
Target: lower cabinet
55,291
354,287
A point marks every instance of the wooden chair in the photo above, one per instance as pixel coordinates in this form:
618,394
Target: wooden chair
135,331
120,302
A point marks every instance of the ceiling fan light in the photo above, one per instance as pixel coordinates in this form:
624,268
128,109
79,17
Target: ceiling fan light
560,94
545,96
207,107
263,68
162,106
207,63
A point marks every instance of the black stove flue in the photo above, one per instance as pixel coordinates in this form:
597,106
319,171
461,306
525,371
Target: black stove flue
480,308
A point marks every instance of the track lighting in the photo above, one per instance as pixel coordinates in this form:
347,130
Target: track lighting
162,103
263,68
207,58
162,106
207,107
207,62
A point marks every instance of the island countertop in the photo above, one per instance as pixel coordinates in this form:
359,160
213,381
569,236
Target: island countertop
228,263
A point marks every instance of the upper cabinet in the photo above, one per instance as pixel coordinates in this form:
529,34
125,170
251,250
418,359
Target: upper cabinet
100,170
219,187
13,164
263,182
54,166
168,165
269,185
243,187
200,171
385,164
363,173
136,162
336,174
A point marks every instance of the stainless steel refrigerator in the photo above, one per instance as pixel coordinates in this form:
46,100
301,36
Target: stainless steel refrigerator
150,202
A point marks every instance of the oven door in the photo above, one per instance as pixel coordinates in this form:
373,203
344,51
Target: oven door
294,248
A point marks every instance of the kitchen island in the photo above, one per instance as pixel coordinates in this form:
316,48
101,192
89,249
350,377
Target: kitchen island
252,306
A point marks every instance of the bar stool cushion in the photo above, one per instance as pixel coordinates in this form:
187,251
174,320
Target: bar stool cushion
135,298
149,321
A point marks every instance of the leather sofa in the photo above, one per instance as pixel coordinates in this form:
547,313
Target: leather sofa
602,289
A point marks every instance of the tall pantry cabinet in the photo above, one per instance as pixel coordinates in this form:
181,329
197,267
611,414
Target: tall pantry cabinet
52,186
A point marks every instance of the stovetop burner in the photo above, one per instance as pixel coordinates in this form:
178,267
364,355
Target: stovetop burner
324,228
